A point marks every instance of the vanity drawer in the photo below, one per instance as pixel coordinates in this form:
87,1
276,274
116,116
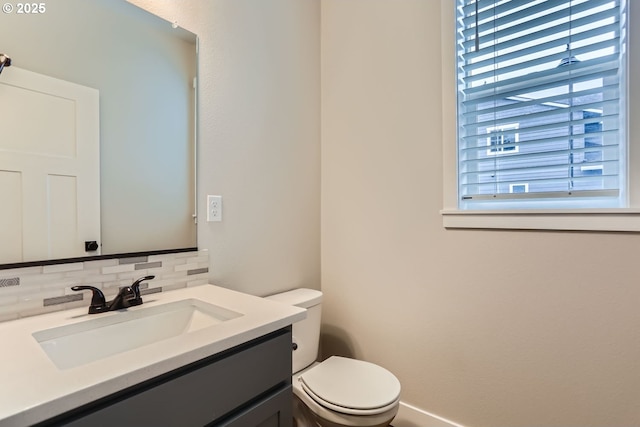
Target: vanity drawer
273,411
202,393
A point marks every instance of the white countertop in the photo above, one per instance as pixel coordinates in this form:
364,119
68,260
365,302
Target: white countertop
33,389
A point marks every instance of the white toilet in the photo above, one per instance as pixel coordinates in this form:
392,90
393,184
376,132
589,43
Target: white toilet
339,392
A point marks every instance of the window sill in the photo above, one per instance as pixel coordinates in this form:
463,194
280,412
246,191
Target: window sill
583,220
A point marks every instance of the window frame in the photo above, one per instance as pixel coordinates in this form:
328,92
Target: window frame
498,149
609,219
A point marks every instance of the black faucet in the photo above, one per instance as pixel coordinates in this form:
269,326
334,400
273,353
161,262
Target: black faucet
128,296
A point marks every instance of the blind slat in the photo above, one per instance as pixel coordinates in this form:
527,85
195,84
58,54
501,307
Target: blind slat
537,170
559,45
558,114
540,59
489,6
472,54
546,195
469,151
472,160
590,68
608,92
506,21
540,128
610,75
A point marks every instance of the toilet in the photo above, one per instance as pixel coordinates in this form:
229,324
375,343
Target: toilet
338,392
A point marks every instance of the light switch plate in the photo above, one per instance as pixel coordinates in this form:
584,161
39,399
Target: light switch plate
214,208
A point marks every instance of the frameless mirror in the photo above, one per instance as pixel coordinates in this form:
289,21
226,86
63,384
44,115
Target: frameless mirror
107,71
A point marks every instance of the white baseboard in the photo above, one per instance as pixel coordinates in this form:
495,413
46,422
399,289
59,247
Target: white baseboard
410,416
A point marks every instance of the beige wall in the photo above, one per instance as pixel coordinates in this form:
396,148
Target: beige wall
485,328
259,138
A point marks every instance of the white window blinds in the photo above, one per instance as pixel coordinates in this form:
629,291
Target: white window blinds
541,103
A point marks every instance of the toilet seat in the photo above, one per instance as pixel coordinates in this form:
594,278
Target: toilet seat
351,386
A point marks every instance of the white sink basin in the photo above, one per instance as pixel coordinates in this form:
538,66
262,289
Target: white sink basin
74,345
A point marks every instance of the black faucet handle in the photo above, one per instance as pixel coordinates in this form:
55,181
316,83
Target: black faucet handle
126,292
98,302
136,287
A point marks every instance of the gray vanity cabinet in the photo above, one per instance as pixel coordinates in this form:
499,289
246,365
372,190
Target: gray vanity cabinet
246,386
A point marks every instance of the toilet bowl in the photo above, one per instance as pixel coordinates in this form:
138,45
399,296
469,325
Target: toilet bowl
347,392
340,391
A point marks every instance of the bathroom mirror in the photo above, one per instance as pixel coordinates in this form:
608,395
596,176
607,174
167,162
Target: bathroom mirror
144,73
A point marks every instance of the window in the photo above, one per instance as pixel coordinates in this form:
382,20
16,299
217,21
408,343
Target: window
519,188
541,104
501,140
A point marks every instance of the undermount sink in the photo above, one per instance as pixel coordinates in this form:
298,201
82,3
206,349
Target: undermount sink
74,345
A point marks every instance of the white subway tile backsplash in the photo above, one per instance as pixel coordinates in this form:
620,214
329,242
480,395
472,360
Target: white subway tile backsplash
185,267
113,285
95,278
161,283
169,263
118,268
197,271
184,255
147,265
163,257
199,259
174,275
83,273
61,300
57,268
133,260
34,301
13,272
98,264
37,280
44,289
150,291
8,300
9,281
130,276
61,284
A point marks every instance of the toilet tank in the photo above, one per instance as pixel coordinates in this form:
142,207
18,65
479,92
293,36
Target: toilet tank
306,333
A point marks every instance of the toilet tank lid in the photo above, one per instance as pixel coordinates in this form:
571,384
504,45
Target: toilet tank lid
302,297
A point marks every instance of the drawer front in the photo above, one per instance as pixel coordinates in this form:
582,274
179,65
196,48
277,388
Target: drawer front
203,395
273,411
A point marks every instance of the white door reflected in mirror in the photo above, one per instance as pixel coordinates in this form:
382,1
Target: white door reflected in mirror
50,152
